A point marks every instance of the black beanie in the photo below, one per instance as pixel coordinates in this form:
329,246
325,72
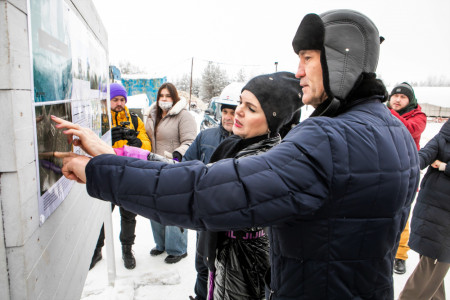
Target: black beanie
279,96
405,89
233,107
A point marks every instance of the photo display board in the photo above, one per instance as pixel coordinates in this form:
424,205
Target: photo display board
70,81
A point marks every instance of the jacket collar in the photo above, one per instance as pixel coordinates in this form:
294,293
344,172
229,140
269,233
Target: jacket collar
123,115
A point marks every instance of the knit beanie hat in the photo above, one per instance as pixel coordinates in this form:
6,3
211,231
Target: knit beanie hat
279,96
407,90
116,89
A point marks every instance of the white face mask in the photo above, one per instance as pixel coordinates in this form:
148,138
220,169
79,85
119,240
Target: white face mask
165,105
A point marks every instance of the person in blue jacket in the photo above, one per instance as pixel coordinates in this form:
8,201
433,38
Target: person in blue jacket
430,223
201,149
335,193
207,140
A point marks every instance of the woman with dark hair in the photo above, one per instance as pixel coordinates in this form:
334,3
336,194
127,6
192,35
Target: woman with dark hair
171,129
239,259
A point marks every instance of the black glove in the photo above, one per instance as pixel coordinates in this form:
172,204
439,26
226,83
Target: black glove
116,134
176,156
135,142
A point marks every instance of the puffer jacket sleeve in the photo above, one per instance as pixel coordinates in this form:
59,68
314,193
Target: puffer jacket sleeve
193,152
292,180
447,169
146,145
187,129
428,154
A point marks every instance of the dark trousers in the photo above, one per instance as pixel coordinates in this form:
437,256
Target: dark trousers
127,228
201,284
427,281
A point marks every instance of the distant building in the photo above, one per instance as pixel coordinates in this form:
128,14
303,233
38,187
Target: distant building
142,84
114,74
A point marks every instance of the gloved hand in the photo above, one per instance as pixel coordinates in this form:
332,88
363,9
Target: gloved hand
116,134
177,156
135,142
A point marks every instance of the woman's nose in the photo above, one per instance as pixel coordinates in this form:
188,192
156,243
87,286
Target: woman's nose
238,110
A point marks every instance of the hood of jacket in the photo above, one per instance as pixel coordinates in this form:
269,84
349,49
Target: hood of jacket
445,130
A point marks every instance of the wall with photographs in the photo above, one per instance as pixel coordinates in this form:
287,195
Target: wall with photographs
55,57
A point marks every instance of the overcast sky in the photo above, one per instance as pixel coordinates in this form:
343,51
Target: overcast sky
162,36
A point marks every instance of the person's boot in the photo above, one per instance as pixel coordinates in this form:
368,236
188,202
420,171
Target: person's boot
128,258
96,257
173,259
399,266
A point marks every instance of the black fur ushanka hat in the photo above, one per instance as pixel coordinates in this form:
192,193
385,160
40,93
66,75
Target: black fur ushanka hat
349,43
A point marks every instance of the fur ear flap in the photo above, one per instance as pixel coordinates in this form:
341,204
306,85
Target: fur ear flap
310,34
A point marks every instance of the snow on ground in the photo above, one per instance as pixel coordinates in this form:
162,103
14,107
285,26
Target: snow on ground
152,279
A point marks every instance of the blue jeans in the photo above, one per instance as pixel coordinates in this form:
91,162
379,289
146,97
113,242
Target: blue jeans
169,238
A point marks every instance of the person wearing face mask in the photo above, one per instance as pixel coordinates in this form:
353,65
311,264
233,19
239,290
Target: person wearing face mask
171,129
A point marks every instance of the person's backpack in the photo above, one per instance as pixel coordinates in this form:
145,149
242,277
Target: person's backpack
134,120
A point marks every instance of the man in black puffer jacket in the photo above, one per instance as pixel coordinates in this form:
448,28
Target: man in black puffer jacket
336,192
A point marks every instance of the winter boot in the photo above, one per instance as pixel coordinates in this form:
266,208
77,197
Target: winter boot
399,266
128,258
96,257
173,259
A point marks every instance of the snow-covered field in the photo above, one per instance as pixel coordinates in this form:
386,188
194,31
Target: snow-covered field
152,279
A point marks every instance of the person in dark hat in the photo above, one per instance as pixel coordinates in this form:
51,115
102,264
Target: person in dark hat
127,130
335,194
238,260
201,149
403,105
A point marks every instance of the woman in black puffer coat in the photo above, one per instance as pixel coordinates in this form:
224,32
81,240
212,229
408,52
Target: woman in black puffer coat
238,260
430,225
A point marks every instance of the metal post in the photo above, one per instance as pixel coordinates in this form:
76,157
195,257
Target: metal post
276,66
190,88
109,243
